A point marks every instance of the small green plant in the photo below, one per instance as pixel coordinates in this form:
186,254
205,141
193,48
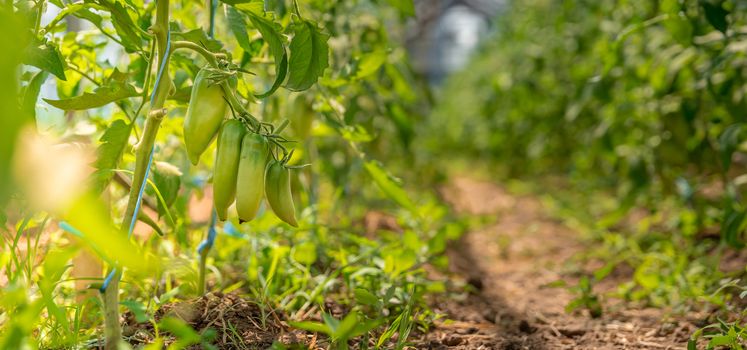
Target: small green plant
340,332
719,335
585,298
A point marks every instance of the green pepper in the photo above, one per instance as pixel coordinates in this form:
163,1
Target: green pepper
278,192
205,113
251,176
301,116
227,166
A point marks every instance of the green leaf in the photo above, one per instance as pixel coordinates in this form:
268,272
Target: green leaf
305,253
388,184
168,179
101,96
199,37
80,10
405,7
399,260
56,262
356,133
393,328
365,297
680,28
256,6
728,142
137,309
279,77
184,334
403,121
370,63
144,218
367,326
716,15
238,27
720,340
85,13
123,24
271,33
110,151
331,322
733,224
308,56
32,92
346,328
311,327
92,219
46,57
670,6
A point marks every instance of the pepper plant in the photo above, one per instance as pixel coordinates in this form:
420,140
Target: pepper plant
215,86
238,72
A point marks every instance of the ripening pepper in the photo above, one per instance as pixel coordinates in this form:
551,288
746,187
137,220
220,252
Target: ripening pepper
278,192
250,181
227,166
205,114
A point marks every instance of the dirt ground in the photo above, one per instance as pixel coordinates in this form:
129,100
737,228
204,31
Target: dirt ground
509,264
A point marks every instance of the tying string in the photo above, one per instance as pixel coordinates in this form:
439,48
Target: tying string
207,243
140,194
163,65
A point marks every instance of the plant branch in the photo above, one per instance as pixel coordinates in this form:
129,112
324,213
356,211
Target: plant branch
213,59
39,13
112,327
295,9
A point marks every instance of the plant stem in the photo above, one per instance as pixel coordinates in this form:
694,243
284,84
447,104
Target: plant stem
212,59
39,14
112,327
296,10
201,278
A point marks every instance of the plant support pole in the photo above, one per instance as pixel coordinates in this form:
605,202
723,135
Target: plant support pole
112,327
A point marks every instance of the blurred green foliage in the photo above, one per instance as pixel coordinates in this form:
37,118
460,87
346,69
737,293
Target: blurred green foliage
95,57
639,106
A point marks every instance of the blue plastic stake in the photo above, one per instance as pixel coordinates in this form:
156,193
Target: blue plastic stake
208,242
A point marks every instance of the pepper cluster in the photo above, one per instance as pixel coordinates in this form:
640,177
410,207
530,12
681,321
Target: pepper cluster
245,168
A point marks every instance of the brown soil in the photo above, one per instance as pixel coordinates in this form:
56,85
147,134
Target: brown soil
239,323
509,265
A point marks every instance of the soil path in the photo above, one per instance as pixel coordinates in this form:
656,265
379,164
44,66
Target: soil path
510,263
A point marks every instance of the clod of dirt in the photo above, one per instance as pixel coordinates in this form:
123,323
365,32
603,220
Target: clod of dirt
476,282
512,345
451,340
435,345
525,327
239,323
572,332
